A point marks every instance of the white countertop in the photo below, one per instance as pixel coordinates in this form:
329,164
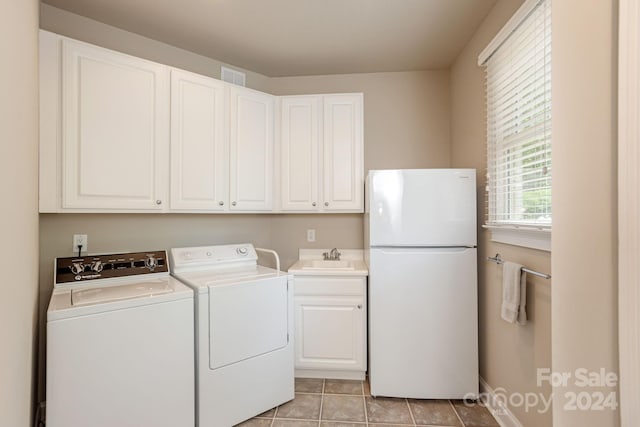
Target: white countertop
307,256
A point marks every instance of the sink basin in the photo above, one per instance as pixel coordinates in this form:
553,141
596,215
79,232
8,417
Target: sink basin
328,265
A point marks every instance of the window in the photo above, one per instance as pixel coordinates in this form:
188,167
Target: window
518,85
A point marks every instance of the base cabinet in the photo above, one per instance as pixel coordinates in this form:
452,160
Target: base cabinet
330,327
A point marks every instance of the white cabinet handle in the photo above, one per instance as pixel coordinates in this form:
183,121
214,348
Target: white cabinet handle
313,204
359,306
233,203
158,202
221,203
326,203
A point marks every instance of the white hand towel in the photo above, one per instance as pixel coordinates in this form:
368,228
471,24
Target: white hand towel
511,291
522,313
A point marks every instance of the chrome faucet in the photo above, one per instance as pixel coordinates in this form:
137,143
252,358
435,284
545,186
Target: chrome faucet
334,255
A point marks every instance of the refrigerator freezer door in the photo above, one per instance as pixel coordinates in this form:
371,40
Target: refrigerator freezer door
423,322
422,207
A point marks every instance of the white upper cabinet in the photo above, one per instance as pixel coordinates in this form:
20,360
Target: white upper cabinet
300,149
199,143
251,149
50,150
115,138
221,146
321,153
123,134
343,153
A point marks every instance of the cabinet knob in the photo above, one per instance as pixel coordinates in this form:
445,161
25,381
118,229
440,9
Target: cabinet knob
313,204
221,203
326,203
359,306
233,203
158,202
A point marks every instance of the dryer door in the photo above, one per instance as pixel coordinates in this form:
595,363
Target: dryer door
247,319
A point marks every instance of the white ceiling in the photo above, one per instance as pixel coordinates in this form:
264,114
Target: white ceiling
301,37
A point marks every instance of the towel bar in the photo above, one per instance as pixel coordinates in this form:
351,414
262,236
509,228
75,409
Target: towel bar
499,260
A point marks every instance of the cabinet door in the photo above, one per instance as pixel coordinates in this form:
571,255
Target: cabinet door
343,152
251,150
330,332
199,148
115,138
299,136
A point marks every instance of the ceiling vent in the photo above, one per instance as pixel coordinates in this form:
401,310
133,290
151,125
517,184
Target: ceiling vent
232,76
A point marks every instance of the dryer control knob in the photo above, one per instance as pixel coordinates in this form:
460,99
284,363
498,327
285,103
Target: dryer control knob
242,251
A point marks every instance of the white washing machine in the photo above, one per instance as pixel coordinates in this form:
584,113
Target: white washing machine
120,343
244,332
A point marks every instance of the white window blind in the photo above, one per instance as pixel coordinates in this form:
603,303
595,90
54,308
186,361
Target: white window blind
518,85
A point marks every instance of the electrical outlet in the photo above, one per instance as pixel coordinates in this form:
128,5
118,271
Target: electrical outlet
80,239
311,235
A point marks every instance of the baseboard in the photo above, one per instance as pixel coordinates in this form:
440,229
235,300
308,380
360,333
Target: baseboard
330,374
498,409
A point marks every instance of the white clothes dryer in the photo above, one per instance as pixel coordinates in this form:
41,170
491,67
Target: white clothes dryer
244,324
120,343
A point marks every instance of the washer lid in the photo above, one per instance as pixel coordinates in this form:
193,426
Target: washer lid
114,293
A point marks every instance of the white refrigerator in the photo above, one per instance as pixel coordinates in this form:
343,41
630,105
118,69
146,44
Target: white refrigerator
420,246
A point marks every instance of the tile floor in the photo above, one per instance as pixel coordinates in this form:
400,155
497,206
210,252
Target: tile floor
341,403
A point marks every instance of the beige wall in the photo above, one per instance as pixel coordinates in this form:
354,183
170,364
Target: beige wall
139,232
583,259
134,232
509,354
81,28
406,114
584,253
434,119
19,216
289,233
406,126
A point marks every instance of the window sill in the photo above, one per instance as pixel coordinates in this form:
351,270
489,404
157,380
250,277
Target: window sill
528,237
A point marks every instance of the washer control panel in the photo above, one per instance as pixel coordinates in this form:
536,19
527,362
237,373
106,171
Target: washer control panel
218,255
92,267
